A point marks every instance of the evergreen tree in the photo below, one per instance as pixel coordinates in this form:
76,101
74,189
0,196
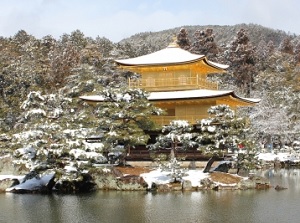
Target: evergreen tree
124,116
175,136
105,46
183,40
270,47
286,46
297,53
221,132
204,43
242,56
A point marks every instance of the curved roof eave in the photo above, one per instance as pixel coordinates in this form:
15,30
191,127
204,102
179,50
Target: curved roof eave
168,56
197,94
179,95
248,100
216,65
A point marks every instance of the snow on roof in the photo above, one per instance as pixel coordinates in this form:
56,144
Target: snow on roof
93,98
188,94
199,93
196,94
214,64
253,100
169,55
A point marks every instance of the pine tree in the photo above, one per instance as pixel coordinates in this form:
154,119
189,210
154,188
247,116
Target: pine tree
183,40
286,46
175,136
124,116
297,53
204,43
242,56
221,132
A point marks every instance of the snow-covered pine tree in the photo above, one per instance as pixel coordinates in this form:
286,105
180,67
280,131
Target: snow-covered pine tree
175,136
204,43
223,131
242,57
183,40
124,116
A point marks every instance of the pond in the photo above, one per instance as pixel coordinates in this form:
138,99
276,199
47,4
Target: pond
202,206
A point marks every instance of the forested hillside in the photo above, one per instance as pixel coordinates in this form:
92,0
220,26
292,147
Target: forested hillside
41,79
223,35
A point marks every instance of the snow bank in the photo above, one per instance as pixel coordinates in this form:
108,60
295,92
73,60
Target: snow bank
282,157
157,176
195,176
163,177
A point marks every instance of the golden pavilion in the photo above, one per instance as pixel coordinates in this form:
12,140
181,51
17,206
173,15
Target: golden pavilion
177,82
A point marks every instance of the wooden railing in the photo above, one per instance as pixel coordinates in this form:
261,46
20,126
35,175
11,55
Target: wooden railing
165,84
165,120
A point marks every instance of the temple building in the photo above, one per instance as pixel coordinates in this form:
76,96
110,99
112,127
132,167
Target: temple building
177,82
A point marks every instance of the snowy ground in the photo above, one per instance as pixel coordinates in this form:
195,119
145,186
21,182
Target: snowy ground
195,176
163,177
282,157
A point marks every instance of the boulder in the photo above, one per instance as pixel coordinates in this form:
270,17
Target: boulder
162,188
254,182
177,186
105,178
207,183
113,179
223,167
34,183
7,183
278,188
187,185
246,184
131,182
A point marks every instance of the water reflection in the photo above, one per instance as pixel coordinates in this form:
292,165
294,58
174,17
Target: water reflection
203,206
284,177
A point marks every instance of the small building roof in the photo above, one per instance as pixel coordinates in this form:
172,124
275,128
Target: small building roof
172,55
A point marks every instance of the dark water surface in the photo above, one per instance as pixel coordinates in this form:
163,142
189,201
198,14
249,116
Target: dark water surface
205,206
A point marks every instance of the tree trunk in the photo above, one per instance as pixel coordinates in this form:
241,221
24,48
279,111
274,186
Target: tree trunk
172,154
210,163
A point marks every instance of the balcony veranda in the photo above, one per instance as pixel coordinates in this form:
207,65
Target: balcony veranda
171,84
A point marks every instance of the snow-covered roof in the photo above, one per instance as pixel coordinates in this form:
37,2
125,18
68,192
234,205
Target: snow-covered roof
196,94
199,93
188,94
92,98
169,56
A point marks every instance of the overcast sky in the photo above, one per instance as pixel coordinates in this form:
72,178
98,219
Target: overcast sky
118,19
